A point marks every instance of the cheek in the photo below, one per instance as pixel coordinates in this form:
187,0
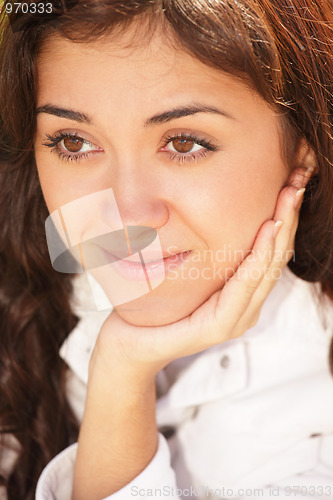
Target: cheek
52,181
237,201
61,183
48,181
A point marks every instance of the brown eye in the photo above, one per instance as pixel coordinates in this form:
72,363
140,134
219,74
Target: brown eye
73,144
182,145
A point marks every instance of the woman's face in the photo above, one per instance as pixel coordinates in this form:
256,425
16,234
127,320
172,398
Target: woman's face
188,151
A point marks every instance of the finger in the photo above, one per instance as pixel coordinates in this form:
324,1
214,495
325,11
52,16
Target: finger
260,271
297,181
216,320
300,176
288,209
284,250
237,293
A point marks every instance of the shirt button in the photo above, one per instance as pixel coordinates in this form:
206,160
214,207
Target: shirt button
225,361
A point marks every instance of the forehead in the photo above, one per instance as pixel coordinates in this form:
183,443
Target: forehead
112,60
127,79
65,66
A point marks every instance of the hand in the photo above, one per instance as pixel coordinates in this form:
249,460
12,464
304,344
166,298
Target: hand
227,314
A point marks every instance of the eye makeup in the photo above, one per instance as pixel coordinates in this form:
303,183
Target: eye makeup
55,143
184,141
192,147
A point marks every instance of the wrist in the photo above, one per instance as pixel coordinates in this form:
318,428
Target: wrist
119,409
116,371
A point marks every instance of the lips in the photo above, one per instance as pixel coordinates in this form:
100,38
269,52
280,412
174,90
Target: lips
153,270
150,259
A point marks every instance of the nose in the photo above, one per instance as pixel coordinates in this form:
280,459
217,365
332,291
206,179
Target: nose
138,194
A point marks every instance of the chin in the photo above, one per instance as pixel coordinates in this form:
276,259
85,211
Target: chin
149,317
155,311
166,305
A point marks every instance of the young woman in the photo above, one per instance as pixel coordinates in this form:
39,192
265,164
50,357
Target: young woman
209,123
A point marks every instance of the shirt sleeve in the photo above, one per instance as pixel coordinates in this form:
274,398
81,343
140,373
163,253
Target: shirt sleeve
56,480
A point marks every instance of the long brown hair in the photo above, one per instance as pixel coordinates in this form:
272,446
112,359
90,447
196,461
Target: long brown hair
282,48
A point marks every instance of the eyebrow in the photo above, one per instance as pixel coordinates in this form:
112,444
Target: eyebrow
154,120
65,113
185,111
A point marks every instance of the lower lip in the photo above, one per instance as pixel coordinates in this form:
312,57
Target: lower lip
155,270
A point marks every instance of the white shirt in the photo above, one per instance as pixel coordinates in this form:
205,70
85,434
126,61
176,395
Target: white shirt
254,413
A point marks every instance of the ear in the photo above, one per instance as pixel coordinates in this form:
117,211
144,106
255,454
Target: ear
305,156
304,164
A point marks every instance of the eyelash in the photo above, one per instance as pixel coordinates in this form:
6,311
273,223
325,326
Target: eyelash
54,141
180,157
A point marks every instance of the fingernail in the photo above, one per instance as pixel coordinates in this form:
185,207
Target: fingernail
306,177
299,198
310,170
276,228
